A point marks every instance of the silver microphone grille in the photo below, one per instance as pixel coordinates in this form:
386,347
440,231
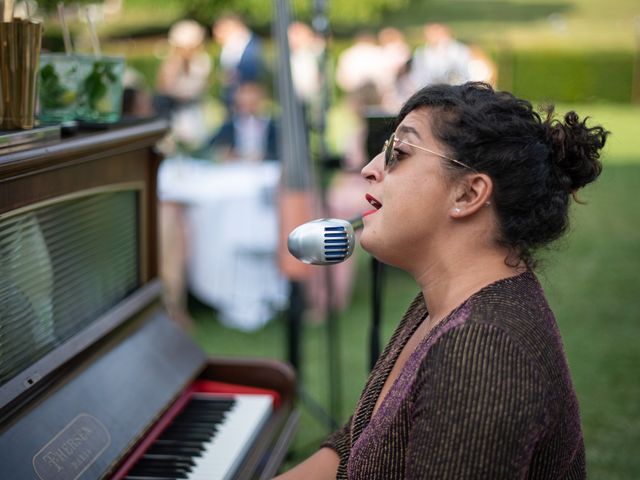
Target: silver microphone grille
322,242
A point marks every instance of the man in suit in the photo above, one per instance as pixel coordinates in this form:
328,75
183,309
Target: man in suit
240,55
249,133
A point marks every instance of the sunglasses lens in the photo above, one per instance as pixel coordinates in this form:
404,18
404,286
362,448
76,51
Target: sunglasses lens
388,150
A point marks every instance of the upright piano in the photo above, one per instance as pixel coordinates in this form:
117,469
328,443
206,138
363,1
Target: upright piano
95,380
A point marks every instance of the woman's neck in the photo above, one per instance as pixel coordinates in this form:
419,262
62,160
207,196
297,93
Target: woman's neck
453,277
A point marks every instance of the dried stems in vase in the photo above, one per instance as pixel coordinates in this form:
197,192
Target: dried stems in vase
20,42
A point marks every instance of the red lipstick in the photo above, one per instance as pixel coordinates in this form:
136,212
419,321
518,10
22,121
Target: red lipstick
373,201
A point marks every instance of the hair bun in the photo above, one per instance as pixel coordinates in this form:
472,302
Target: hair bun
575,150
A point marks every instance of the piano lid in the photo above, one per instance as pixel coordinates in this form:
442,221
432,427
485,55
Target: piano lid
88,422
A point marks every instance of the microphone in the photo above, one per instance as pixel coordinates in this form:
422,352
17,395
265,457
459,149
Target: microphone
325,241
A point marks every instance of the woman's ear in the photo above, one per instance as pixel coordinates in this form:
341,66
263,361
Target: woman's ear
471,194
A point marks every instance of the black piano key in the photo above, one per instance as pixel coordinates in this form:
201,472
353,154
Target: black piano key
168,458
186,430
145,462
167,468
189,436
144,477
159,474
199,414
161,470
156,460
203,421
176,449
168,443
201,418
160,465
177,428
203,411
194,425
202,407
211,402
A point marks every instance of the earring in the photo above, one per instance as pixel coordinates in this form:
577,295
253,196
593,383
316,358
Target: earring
486,204
456,210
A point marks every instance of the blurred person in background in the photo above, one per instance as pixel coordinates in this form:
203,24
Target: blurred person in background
182,82
358,67
181,86
306,51
481,67
474,383
395,54
442,59
137,100
249,134
241,56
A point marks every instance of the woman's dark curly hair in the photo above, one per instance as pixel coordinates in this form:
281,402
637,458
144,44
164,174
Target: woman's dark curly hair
536,163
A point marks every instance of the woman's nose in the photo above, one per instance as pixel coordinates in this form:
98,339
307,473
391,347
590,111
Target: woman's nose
373,171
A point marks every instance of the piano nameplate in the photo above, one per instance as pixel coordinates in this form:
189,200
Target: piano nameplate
72,450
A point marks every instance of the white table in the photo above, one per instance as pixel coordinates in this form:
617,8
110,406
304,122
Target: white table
231,215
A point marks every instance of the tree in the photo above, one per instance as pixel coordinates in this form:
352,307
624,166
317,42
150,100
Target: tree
343,14
51,6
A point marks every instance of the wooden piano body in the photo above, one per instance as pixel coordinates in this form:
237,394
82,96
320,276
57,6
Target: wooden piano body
89,360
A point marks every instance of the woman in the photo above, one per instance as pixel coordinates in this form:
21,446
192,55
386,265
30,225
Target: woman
474,382
183,77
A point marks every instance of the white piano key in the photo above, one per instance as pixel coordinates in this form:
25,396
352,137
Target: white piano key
224,453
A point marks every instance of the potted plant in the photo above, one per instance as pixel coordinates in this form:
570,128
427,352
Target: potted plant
87,87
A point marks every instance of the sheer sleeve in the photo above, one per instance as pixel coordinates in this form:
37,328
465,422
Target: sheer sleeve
478,410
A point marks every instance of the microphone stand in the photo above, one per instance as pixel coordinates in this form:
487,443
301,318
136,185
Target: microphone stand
295,195
296,183
377,268
320,24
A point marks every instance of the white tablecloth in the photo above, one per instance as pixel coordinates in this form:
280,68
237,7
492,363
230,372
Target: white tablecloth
233,234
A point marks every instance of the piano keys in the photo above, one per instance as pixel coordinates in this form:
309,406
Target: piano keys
206,440
96,372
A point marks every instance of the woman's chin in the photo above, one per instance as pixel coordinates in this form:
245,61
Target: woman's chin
373,247
366,242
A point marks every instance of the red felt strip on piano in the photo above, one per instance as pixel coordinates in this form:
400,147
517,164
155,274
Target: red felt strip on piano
210,386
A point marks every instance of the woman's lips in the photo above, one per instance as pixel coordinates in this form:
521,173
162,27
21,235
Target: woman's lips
373,201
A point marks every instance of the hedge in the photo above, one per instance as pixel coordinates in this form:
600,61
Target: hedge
147,66
568,76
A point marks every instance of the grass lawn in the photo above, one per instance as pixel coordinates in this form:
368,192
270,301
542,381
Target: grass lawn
592,283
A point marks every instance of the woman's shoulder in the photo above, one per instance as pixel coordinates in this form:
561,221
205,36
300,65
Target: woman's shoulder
518,307
479,364
480,360
511,318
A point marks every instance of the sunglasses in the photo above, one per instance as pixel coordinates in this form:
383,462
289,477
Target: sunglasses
391,158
